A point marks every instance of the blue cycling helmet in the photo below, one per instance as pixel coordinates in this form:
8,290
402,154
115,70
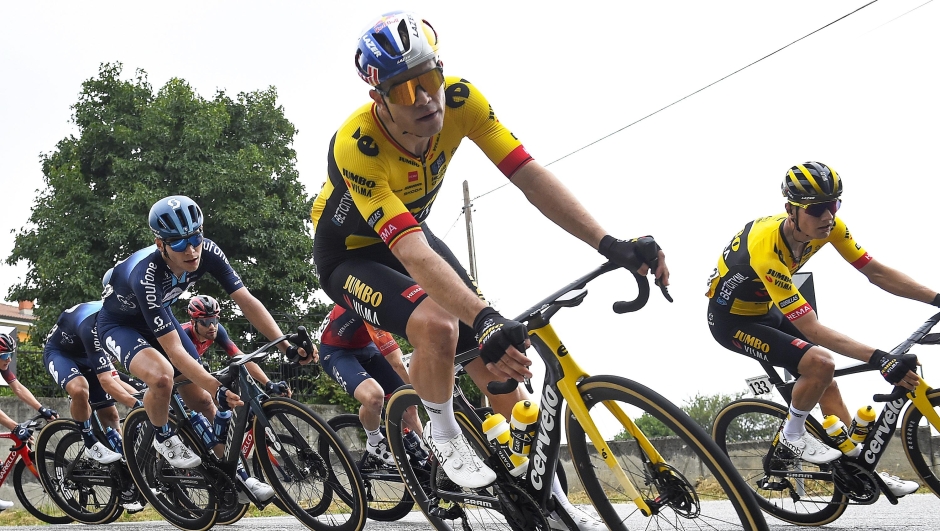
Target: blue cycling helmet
176,216
392,44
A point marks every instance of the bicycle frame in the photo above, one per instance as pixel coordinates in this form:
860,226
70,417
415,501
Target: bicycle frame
882,429
560,386
19,450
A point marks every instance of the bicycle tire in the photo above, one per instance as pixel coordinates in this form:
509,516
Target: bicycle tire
919,444
82,488
443,515
388,499
823,503
200,504
34,497
677,500
311,472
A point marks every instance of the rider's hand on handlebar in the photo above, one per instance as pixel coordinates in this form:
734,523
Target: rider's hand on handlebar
897,370
637,254
502,344
226,399
22,431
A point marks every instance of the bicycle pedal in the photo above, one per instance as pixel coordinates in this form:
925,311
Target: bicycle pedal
775,484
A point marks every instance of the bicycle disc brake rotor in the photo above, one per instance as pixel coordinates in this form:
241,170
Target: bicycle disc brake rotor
674,491
857,483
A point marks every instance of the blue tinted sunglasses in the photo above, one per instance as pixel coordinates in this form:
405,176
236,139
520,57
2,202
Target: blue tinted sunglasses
5,356
180,244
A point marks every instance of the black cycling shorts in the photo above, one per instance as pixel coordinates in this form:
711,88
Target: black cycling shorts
769,338
372,283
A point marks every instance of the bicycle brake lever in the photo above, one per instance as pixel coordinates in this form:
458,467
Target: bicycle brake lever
665,290
528,386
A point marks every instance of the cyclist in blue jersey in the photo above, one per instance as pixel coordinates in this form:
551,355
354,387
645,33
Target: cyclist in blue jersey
22,432
76,362
137,327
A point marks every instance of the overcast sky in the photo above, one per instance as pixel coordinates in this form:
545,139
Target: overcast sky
860,95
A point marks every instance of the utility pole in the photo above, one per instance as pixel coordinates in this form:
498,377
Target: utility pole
468,217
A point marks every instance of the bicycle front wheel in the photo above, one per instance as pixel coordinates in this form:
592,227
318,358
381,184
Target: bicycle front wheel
921,445
308,468
695,486
185,497
83,488
745,430
386,494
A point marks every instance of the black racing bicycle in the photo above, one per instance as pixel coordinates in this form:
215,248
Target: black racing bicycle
683,481
803,493
313,476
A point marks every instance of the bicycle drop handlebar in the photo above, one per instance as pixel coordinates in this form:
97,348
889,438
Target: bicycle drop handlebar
921,336
572,295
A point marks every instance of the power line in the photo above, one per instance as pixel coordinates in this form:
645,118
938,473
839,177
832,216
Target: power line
697,91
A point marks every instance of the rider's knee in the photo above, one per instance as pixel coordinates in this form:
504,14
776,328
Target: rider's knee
163,382
78,393
818,363
431,330
200,402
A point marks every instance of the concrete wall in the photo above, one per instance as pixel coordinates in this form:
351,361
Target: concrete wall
894,461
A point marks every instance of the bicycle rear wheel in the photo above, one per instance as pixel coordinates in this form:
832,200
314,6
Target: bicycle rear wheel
184,497
921,445
84,489
35,498
745,430
308,468
483,512
696,487
386,494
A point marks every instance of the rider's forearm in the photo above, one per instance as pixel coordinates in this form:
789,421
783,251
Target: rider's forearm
191,369
24,395
836,341
557,203
115,387
258,316
897,283
255,371
437,277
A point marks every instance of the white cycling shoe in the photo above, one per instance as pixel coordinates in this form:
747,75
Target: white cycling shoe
4,505
899,487
176,453
259,489
459,461
809,448
101,453
381,453
583,520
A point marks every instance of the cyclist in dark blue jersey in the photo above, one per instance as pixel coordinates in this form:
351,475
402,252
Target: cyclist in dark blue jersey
76,362
137,327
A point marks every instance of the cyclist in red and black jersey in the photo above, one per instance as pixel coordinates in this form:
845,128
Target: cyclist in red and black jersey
374,254
754,279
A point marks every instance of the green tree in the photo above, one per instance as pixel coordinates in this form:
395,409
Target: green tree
703,409
233,156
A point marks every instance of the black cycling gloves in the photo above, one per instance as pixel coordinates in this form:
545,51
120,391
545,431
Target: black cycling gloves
47,413
630,254
936,300
892,366
222,399
495,333
273,388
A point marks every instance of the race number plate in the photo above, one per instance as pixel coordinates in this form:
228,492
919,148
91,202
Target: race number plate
759,385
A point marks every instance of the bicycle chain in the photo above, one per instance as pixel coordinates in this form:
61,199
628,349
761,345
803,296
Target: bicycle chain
223,485
520,509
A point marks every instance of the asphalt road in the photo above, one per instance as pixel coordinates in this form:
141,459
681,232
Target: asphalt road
913,513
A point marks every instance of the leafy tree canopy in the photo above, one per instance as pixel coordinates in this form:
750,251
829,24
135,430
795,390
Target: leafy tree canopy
232,156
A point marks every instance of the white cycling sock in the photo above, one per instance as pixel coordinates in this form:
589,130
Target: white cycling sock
444,425
374,437
795,426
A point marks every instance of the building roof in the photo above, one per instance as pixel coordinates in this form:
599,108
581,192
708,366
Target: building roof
9,312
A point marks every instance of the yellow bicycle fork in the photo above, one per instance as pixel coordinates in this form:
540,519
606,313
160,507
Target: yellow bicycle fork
568,386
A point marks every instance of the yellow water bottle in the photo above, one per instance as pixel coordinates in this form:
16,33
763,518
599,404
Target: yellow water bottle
861,424
836,430
497,432
522,426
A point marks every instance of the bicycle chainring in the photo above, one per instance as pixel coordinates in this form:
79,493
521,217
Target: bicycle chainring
223,485
520,509
857,483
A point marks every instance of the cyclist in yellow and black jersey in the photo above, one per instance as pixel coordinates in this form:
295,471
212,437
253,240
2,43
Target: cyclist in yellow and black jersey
374,254
754,276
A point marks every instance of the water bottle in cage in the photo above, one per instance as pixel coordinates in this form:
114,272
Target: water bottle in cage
203,429
114,438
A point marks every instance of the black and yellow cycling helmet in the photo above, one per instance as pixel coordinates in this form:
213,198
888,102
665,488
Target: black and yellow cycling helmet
811,182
